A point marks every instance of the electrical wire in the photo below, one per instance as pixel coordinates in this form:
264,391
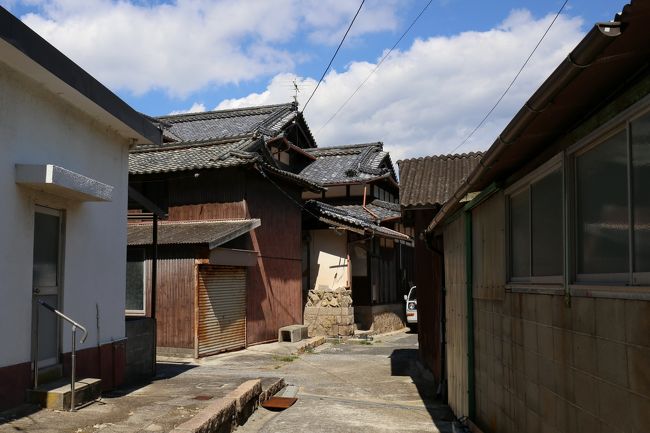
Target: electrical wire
513,80
335,53
377,66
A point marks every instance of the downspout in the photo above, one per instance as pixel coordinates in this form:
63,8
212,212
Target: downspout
471,390
154,279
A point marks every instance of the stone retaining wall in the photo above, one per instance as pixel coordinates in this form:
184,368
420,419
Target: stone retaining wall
329,313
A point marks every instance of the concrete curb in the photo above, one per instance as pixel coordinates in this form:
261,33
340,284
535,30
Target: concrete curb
226,413
311,344
273,389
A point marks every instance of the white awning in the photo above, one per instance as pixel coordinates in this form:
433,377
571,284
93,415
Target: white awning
62,182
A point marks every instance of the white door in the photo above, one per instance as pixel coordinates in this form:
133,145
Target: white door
46,284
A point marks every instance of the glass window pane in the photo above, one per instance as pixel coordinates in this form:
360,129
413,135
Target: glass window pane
602,213
135,280
640,193
520,235
46,250
546,207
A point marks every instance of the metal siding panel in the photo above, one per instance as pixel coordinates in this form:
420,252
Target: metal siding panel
222,309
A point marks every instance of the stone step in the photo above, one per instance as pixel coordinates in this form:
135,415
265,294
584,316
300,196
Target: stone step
58,395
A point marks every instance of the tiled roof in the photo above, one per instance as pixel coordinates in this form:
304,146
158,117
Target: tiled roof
211,232
340,216
191,156
353,163
215,125
383,209
431,180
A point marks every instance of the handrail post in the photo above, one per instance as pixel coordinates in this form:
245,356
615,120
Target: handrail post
36,350
73,366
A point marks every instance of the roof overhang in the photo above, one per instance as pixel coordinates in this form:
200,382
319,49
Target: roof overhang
214,233
31,55
59,181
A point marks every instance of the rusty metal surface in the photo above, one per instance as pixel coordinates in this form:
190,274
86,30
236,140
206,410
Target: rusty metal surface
279,403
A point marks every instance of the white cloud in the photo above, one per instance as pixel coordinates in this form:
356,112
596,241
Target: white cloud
197,107
186,45
426,99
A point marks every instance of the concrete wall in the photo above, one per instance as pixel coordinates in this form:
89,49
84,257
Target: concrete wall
329,264
546,363
37,128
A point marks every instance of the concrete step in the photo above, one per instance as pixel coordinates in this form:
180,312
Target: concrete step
58,395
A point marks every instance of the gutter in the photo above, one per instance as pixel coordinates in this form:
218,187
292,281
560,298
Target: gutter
582,56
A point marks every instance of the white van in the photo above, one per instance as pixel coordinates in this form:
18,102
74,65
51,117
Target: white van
411,307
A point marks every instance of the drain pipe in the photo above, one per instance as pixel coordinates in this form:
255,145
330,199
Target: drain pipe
365,189
471,389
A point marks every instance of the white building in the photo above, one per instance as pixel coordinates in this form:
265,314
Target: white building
64,141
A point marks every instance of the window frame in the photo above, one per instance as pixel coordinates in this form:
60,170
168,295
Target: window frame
620,123
143,312
524,185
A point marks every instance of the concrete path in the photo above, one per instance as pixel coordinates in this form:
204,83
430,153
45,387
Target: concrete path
374,387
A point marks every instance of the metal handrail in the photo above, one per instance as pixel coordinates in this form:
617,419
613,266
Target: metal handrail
75,325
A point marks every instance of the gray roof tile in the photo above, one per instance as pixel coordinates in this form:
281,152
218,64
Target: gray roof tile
355,163
211,232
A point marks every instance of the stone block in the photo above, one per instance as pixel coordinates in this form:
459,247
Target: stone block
612,361
344,320
587,423
546,373
563,346
530,335
640,413
530,366
561,313
543,309
610,319
637,322
564,383
292,333
545,341
528,307
614,405
638,361
583,317
585,391
532,396
584,353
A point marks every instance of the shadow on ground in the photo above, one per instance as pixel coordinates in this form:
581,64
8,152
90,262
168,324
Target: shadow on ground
403,362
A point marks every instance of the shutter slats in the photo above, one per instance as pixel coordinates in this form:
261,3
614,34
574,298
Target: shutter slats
222,309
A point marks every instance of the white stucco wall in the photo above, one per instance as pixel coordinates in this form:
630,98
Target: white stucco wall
328,264
36,127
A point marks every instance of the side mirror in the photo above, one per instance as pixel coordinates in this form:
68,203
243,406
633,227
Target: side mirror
406,297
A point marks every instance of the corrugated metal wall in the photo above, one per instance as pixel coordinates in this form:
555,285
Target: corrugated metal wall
489,248
456,314
221,309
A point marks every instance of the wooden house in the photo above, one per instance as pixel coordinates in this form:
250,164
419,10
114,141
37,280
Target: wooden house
233,230
546,269
63,181
425,185
356,262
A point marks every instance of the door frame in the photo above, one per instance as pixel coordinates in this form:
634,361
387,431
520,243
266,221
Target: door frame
50,290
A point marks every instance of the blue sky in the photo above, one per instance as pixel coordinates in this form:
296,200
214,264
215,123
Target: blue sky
164,57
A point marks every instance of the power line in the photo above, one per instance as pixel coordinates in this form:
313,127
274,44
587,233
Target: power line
377,66
512,82
335,53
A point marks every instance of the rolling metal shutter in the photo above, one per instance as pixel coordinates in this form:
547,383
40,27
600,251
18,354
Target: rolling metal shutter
222,309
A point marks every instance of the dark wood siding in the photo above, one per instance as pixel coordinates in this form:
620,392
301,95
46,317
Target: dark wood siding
275,289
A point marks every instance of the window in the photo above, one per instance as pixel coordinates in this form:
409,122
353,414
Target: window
135,287
613,207
536,235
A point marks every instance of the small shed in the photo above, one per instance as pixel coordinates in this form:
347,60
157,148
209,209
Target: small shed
201,291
